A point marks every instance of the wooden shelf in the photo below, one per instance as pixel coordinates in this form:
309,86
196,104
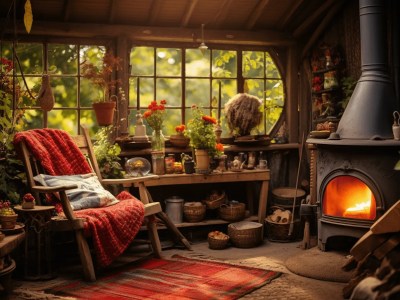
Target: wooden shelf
228,148
206,222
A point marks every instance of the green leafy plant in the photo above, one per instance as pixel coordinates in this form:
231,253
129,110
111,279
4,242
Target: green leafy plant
107,154
200,130
100,75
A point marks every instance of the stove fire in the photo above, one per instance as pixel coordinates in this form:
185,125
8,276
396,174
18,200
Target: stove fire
349,197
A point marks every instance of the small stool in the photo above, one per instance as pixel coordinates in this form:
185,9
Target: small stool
37,249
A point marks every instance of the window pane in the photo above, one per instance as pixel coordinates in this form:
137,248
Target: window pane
197,92
146,91
31,58
88,119
224,63
89,93
65,91
253,64
197,64
142,61
170,90
92,54
32,119
63,119
169,62
255,87
172,119
271,69
6,50
63,59
34,84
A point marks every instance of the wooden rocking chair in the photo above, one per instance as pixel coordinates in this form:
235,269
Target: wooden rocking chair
71,222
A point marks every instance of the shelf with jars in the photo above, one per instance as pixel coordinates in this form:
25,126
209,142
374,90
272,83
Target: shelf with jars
326,64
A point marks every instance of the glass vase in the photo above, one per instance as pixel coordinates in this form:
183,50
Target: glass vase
158,141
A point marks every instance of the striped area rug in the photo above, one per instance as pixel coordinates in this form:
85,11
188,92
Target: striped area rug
178,278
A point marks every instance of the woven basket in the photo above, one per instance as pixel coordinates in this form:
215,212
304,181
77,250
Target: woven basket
215,200
278,232
233,212
217,244
245,234
194,213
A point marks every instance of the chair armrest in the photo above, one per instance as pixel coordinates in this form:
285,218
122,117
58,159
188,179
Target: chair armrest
53,189
127,182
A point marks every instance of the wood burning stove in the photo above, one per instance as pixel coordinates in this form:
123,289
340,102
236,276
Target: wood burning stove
355,184
354,177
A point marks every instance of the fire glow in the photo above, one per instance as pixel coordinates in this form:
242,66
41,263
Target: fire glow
349,197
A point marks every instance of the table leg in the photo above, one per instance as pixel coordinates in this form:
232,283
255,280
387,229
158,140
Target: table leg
262,206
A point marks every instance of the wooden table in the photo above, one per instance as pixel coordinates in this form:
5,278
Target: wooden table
262,176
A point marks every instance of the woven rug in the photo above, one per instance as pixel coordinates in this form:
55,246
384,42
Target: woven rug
178,278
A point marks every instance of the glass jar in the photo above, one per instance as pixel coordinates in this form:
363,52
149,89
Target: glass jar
157,160
158,141
169,164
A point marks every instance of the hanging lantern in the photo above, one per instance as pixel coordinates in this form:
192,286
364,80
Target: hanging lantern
46,98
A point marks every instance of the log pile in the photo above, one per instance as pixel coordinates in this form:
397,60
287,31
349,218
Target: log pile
376,260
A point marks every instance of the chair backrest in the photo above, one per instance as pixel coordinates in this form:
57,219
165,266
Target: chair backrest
33,167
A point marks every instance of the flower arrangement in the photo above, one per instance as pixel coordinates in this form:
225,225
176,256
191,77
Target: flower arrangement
5,208
180,129
155,114
200,130
101,75
28,201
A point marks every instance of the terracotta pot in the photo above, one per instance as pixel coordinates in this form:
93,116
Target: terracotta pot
8,221
104,112
202,161
179,140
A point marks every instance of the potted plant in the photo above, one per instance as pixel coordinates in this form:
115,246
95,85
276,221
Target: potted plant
101,76
107,154
179,139
203,140
8,217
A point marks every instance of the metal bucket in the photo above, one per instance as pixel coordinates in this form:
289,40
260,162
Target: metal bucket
174,209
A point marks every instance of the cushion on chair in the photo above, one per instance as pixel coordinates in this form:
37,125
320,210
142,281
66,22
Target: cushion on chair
89,194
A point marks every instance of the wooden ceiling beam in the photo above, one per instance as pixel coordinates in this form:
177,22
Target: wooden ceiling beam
155,10
67,10
322,27
156,34
111,15
223,12
256,13
302,29
289,14
188,13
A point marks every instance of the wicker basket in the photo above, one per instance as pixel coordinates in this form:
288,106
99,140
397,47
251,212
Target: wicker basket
215,200
278,232
245,234
233,212
217,243
194,212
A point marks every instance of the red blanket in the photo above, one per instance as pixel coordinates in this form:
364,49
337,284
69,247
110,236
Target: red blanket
113,227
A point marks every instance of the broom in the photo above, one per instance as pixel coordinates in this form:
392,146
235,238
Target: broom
297,183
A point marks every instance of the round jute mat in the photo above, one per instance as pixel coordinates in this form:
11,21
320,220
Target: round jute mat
316,264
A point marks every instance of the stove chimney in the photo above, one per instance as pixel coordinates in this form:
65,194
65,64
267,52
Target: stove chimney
368,114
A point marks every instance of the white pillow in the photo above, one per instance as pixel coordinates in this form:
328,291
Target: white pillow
89,194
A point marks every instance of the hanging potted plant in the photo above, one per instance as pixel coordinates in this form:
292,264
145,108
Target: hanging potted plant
101,76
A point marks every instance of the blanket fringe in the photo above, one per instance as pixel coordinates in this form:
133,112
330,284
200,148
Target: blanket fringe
37,295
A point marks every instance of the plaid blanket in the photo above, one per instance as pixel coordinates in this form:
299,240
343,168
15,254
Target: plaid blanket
113,227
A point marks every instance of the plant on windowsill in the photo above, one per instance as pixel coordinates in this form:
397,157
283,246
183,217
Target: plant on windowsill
202,136
107,154
179,139
101,76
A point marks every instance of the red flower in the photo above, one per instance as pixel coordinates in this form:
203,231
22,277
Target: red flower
28,197
219,147
209,119
163,102
147,114
180,128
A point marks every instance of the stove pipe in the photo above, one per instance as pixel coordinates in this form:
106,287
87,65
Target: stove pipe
369,113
